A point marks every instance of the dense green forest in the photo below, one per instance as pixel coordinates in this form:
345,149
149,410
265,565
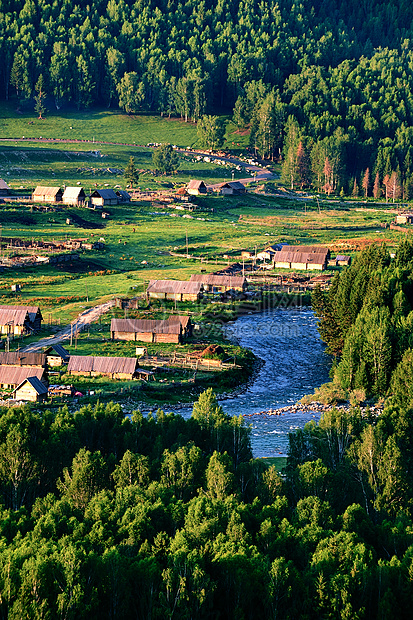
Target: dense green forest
325,84
111,517
366,320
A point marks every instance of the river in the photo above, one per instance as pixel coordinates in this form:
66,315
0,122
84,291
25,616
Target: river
294,363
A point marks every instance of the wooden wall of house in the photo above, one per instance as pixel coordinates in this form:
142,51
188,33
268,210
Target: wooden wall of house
27,392
173,338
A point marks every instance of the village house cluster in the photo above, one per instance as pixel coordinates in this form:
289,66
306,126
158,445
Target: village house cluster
76,196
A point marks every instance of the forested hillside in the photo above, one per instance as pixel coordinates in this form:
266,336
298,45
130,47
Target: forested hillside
111,518
327,83
366,320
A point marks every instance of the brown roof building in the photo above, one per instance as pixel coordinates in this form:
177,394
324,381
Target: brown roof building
47,194
18,320
196,187
19,358
113,367
174,289
302,257
173,330
217,283
12,376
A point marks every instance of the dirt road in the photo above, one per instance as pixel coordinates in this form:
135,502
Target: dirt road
88,316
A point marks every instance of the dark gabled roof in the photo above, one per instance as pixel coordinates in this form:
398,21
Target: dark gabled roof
14,375
19,358
174,286
35,383
121,193
106,194
233,185
342,257
212,279
59,350
104,365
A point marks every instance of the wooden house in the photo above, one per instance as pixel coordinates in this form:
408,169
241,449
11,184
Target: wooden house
302,257
4,188
30,389
123,196
232,188
104,198
196,188
56,356
177,290
12,376
74,196
172,330
113,367
18,320
220,283
343,261
47,194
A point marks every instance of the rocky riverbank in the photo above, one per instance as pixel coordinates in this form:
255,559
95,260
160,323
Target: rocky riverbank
316,407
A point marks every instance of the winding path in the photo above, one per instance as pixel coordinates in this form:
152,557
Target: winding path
88,316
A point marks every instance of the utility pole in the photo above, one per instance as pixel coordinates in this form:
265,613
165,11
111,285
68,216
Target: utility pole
187,252
71,334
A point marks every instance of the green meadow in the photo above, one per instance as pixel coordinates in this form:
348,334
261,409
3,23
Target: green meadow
139,237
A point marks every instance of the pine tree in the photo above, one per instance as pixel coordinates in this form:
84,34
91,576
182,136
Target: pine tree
131,174
40,97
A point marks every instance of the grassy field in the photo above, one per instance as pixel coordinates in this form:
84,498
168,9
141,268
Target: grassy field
147,232
139,238
97,125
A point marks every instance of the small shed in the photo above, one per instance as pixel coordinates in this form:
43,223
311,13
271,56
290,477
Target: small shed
74,196
4,188
232,188
113,367
47,194
123,196
56,356
343,261
30,389
177,290
195,188
104,198
220,283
